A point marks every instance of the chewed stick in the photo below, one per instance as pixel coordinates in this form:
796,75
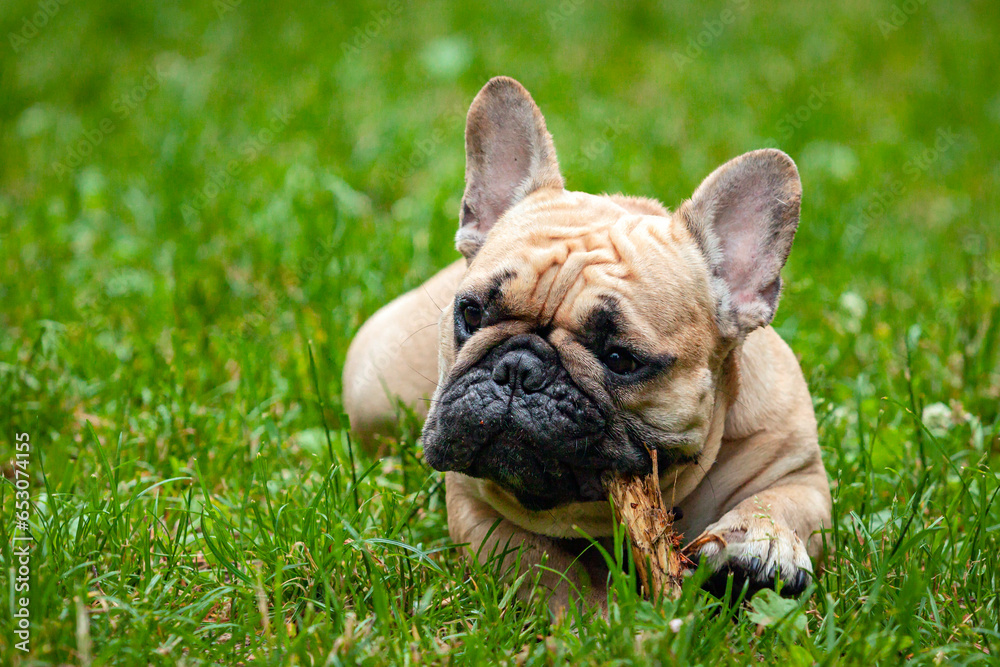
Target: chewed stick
655,546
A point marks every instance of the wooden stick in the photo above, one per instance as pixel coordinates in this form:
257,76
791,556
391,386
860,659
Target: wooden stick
655,546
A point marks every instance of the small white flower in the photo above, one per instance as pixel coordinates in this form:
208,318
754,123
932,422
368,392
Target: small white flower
854,304
937,418
676,624
856,309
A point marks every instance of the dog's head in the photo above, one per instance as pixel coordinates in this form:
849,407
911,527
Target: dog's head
588,328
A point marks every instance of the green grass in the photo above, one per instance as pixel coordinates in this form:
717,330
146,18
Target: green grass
196,197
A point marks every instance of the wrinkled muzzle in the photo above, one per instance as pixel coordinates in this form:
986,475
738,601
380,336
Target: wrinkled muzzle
517,418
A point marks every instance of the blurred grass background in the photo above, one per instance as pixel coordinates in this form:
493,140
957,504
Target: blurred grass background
191,192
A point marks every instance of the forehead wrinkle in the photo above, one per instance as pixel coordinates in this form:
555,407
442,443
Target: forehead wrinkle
545,263
567,248
613,274
582,268
552,276
571,278
620,237
638,246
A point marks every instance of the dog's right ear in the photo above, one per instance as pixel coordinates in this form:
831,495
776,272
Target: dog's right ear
508,155
744,217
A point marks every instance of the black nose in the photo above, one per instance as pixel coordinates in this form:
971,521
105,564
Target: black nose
521,368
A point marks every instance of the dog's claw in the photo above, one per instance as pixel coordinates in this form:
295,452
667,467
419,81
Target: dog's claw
798,584
775,558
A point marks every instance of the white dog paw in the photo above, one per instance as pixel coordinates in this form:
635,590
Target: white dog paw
755,549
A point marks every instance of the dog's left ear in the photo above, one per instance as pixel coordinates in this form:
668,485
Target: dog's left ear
508,155
744,217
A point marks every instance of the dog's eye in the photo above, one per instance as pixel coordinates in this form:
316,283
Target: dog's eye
472,314
620,361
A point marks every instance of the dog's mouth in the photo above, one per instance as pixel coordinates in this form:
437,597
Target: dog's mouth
541,483
538,482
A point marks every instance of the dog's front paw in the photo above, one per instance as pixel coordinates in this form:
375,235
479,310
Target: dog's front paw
754,549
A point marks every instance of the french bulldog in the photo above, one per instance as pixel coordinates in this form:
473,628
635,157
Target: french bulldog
580,330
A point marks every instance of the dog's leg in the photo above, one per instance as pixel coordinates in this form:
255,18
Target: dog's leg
394,356
771,533
758,511
489,536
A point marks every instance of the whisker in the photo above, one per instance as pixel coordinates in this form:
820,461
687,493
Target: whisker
422,375
428,293
709,479
426,326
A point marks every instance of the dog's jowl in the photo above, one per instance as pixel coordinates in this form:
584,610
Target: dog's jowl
580,330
